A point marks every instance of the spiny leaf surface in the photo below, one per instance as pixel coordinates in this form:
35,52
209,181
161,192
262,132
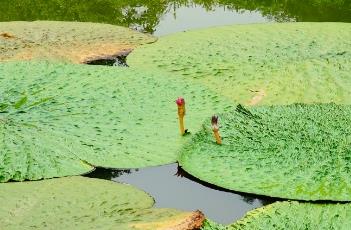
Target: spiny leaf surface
260,64
292,215
297,152
62,119
80,203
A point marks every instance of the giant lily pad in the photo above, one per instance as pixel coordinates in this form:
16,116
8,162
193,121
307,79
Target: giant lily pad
260,64
73,41
63,119
297,151
292,215
83,203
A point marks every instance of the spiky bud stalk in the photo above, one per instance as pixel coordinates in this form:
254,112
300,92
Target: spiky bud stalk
215,129
181,113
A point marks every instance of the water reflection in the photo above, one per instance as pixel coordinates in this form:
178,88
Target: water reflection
172,187
153,16
196,16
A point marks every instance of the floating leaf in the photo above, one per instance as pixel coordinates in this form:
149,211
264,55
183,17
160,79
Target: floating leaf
297,152
84,203
260,64
76,117
210,225
292,215
66,41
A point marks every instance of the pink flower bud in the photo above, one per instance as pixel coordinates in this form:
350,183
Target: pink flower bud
180,101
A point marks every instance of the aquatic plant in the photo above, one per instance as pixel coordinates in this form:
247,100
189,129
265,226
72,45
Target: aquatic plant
141,15
181,113
292,215
289,10
146,15
297,152
76,42
215,129
259,64
65,119
84,203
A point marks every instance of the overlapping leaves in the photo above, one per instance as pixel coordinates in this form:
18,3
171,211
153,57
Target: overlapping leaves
62,119
83,203
260,64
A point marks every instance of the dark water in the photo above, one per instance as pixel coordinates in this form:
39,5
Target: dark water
174,188
119,61
162,17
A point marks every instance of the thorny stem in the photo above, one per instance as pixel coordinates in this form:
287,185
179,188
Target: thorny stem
215,129
181,113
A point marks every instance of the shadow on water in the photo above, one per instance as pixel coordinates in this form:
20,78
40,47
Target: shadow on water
172,187
120,61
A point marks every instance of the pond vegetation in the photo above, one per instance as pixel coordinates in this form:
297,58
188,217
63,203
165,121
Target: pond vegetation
259,64
146,15
171,186
292,215
48,203
62,119
297,152
75,42
59,118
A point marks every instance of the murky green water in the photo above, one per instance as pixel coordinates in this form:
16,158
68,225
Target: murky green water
168,16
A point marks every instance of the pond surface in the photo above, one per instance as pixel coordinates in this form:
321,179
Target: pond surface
169,16
172,187
195,17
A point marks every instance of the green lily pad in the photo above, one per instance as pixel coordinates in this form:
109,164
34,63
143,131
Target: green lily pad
297,152
260,64
63,119
211,225
83,203
76,42
292,215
